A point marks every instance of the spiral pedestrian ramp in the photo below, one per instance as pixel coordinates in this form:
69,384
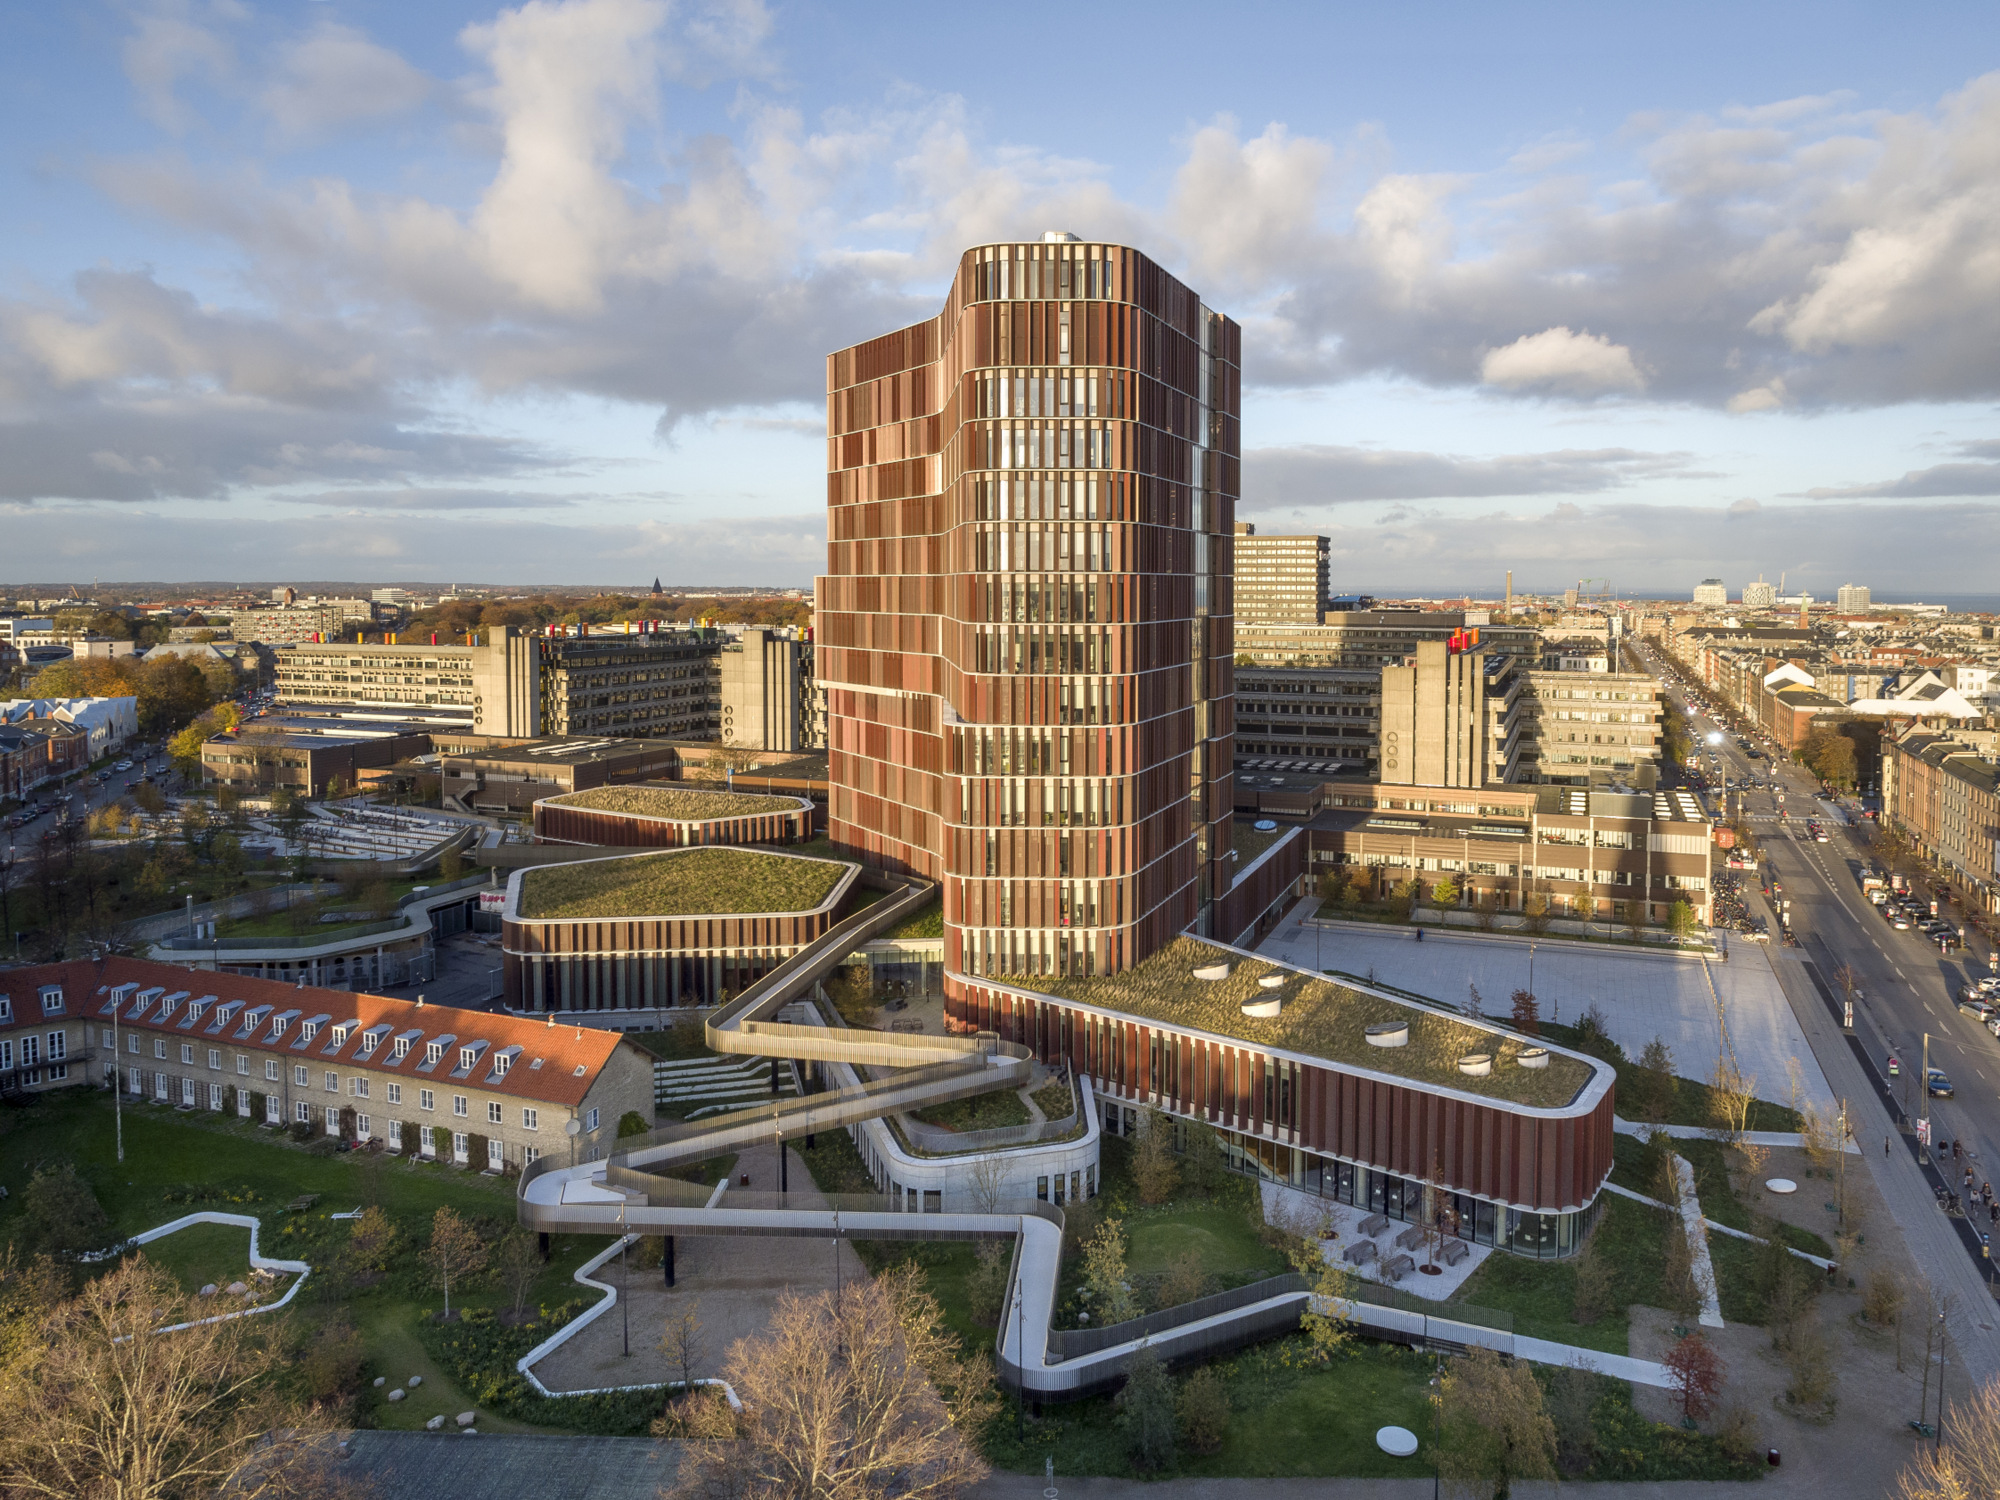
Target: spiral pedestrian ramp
628,1193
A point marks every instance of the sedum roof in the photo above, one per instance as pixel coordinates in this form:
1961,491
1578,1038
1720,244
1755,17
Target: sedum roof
673,803
1321,1019
705,881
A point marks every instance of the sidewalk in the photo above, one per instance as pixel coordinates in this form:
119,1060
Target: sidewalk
1932,1238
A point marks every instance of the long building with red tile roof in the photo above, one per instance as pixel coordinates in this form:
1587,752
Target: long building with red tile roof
486,1089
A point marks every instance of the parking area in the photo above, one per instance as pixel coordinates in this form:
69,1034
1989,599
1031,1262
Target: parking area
1681,1000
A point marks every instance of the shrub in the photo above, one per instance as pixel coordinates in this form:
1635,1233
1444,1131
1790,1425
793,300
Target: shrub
324,1145
633,1123
301,1130
1146,1414
1203,1408
331,1367
64,1216
475,1153
1154,1169
986,1286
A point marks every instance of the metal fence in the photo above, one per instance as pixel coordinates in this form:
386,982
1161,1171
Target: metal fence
1072,1343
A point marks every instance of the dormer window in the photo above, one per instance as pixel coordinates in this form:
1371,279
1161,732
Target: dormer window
400,1049
433,1052
337,1036
143,1001
225,1013
372,1038
120,993
252,1019
280,1021
52,1000
503,1060
6,1009
308,1031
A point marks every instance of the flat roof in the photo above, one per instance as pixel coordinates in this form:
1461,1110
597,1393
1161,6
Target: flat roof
705,881
675,804
1322,1019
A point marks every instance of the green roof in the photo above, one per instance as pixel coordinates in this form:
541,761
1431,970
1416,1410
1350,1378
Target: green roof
1319,1019
678,883
677,804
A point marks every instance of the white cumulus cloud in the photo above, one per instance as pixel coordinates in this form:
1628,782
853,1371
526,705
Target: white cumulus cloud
1556,359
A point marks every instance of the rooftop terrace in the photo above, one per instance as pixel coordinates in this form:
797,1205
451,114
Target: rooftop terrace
678,883
1321,1019
674,803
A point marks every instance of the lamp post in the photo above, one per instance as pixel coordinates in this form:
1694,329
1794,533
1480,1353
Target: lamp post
625,1277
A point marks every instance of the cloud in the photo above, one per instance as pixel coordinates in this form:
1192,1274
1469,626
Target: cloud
794,426
173,41
434,499
335,76
1318,474
1920,484
1581,364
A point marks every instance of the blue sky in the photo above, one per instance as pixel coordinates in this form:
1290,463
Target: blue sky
541,294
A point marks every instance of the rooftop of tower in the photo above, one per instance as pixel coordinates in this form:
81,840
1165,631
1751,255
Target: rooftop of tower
678,804
1322,1019
680,883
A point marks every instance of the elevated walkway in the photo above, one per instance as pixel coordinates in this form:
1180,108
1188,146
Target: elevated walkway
627,1195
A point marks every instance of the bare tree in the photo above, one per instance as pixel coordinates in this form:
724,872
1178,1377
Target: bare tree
839,1403
988,1178
1966,1461
519,1261
1731,1092
456,1250
684,1342
215,1419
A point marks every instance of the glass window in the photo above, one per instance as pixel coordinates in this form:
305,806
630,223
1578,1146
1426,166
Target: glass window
426,1099
528,1119
305,1111
395,1093
493,1111
458,1104
301,1077
270,1070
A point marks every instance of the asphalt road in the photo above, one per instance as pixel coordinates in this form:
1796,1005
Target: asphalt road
1906,987
86,798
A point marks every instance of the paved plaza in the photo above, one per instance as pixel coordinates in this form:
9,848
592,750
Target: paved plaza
1642,994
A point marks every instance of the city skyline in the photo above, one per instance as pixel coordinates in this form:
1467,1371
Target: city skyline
344,291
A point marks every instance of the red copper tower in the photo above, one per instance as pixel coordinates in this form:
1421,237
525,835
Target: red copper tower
1025,623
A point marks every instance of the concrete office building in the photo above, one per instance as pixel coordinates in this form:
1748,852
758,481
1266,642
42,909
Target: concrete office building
658,684
764,690
1760,595
1370,638
1711,593
1437,737
1280,579
493,686
1852,599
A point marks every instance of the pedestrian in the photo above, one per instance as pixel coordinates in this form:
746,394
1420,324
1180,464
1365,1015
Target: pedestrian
1954,1148
1885,1145
1994,1210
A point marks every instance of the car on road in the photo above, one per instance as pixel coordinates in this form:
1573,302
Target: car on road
1973,1006
1937,1085
1898,921
1895,1065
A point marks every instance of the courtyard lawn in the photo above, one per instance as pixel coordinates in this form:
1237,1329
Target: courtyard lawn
176,1164
1286,1419
981,1112
679,882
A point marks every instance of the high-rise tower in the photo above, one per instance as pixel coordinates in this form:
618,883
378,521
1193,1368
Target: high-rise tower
1025,625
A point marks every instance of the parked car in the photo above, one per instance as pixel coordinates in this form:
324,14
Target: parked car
1937,1085
1895,1066
1976,1007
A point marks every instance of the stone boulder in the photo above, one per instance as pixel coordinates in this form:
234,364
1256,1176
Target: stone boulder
435,1423
398,1394
238,1288
209,1290
467,1418
415,1381
380,1381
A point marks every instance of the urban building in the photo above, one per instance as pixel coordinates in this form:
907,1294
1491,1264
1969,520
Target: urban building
1852,599
498,774
107,723
306,755
35,753
488,1091
492,686
1280,579
660,684
1024,627
1373,638
1593,728
1943,790
284,624
44,1041
684,927
666,817
1711,593
1329,714
1760,595
765,691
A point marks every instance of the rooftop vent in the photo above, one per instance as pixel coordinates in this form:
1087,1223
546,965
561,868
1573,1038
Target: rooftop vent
1389,1034
1212,971
1059,237
1533,1057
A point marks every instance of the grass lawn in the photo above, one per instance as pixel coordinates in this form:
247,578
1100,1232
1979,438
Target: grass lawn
924,922
203,1254
981,1112
177,1164
1690,1104
1719,1203
1284,1421
676,803
1055,1099
680,882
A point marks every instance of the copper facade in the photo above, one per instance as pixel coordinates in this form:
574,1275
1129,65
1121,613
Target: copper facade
1025,623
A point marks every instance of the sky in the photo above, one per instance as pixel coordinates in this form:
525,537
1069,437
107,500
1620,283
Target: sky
541,294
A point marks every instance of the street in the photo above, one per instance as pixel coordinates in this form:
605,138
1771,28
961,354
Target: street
1905,989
